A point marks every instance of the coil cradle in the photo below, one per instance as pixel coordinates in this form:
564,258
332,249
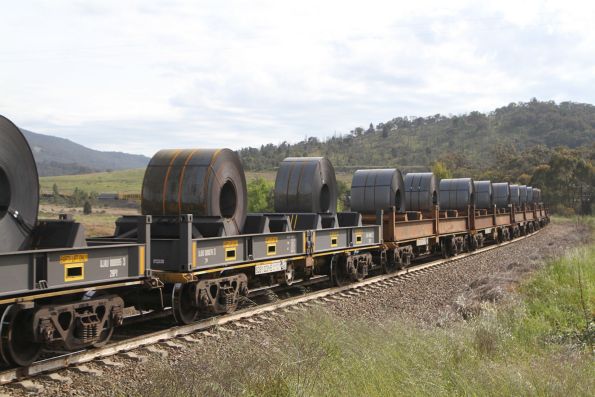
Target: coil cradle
19,189
306,185
420,191
377,189
483,194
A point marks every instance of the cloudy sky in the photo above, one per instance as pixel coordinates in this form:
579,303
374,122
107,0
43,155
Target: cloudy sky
137,76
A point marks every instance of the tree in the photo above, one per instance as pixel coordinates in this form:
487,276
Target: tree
55,193
441,171
87,209
260,195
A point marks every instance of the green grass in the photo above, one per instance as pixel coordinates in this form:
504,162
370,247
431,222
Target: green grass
126,181
540,342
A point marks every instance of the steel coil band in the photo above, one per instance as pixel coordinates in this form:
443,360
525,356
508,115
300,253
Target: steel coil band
522,194
515,195
305,184
377,189
19,188
202,182
502,193
484,197
420,191
456,194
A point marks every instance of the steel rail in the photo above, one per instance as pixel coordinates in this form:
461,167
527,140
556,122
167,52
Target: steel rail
84,356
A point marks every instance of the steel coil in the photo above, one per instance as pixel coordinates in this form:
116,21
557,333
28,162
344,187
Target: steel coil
456,194
502,193
202,182
378,189
484,196
305,185
420,191
515,195
529,194
536,195
522,194
19,188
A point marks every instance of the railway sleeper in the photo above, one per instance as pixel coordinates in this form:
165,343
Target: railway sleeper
26,329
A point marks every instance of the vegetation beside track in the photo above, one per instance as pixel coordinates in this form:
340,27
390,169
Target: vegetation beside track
537,342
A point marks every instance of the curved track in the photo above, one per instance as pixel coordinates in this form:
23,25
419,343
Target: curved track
76,358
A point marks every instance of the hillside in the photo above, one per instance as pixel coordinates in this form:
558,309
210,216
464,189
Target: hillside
474,141
59,156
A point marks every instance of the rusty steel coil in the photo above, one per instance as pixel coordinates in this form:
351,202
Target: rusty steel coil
202,182
19,188
377,189
456,194
523,194
515,195
305,184
502,193
484,196
420,191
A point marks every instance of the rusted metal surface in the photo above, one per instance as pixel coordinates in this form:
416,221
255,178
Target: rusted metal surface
201,182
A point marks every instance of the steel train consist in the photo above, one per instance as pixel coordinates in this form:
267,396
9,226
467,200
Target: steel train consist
196,249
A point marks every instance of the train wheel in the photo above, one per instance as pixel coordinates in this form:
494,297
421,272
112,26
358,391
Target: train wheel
339,275
16,330
183,309
393,262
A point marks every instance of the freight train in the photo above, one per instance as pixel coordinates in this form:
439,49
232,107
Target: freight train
196,250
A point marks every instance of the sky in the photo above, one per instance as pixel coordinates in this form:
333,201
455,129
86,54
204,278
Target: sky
138,76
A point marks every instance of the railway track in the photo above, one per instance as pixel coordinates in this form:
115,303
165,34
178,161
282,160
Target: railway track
57,363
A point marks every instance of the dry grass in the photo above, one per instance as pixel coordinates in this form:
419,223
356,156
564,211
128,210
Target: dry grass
100,223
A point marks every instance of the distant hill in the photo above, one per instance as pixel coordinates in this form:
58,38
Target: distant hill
59,156
473,141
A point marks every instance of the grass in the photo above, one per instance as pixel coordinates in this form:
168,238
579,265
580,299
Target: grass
539,342
126,181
